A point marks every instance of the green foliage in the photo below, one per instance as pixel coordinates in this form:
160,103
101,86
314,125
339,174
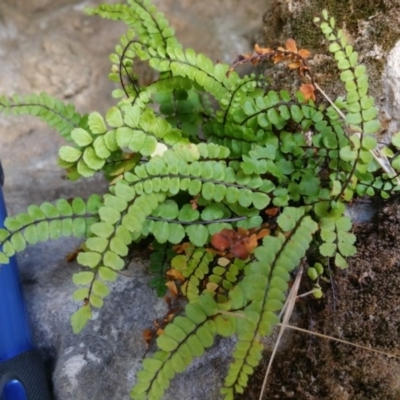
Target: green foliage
200,181
53,112
48,221
262,292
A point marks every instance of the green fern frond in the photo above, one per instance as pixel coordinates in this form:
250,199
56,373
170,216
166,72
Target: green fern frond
149,25
120,221
338,241
262,292
224,277
130,130
47,222
185,338
198,68
160,261
53,112
194,267
362,113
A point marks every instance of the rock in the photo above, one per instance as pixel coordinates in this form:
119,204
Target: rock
391,87
101,362
34,6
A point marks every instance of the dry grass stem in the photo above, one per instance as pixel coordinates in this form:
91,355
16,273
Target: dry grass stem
287,311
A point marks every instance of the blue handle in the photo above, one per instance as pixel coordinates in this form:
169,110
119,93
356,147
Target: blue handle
22,375
15,332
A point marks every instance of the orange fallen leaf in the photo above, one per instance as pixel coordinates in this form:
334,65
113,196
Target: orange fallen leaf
252,243
147,335
272,212
304,53
193,202
222,240
242,232
175,274
264,232
239,249
308,91
71,257
172,288
182,248
278,58
261,50
291,46
169,317
294,65
240,243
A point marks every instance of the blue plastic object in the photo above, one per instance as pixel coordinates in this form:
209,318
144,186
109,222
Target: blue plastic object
15,332
22,374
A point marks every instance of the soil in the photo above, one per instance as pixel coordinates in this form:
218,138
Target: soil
361,306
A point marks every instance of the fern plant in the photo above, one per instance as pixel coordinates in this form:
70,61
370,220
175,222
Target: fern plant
236,186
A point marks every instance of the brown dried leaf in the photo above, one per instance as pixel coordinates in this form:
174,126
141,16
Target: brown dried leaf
272,212
193,202
168,300
71,257
304,53
278,58
242,232
222,240
148,335
262,50
230,70
264,232
182,248
294,65
240,243
169,317
252,243
291,46
308,91
172,288
239,249
175,274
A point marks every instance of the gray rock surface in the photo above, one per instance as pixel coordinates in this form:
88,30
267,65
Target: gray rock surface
101,362
392,89
53,46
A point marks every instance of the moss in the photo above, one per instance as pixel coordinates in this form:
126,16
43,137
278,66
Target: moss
349,14
369,23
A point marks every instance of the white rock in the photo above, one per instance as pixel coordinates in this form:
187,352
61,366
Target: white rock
391,89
